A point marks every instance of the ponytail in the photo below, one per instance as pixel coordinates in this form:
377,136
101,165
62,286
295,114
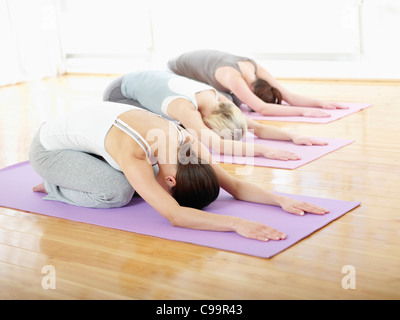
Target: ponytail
266,92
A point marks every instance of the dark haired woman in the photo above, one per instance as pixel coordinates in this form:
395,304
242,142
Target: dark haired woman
98,157
247,81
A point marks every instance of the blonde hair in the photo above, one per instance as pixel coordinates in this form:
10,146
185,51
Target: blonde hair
228,121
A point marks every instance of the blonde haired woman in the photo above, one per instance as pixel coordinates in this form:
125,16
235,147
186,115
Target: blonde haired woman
213,118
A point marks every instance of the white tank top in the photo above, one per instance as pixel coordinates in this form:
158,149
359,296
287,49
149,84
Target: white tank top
86,129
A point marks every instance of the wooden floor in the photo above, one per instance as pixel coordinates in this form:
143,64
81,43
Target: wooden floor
99,263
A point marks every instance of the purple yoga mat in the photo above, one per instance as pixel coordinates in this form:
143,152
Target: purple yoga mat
307,153
335,114
16,184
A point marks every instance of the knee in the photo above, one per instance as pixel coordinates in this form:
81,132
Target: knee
124,195
119,196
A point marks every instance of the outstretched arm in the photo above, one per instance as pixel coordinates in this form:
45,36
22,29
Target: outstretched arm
292,98
233,80
192,121
247,191
141,177
240,88
268,132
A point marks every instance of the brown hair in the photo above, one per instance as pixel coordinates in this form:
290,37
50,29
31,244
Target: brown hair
197,184
266,92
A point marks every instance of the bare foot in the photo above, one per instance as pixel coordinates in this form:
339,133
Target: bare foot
40,188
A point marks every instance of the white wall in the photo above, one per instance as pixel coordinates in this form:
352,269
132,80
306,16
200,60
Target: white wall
306,39
291,38
377,49
30,42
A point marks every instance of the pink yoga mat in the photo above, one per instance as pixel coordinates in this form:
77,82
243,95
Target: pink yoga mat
16,184
335,114
307,153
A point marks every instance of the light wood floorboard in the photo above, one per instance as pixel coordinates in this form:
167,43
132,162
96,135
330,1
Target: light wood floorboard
99,263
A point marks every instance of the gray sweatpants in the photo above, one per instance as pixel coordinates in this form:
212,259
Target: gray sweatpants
79,178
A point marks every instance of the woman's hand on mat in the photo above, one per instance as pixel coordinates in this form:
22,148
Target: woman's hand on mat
332,105
307,141
315,113
258,231
279,154
300,207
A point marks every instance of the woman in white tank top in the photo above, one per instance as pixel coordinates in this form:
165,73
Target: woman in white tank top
98,157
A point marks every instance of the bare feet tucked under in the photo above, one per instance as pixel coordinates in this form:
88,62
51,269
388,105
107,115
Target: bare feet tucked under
40,188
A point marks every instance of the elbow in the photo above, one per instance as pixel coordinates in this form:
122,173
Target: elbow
289,98
174,221
233,188
171,214
172,218
267,111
